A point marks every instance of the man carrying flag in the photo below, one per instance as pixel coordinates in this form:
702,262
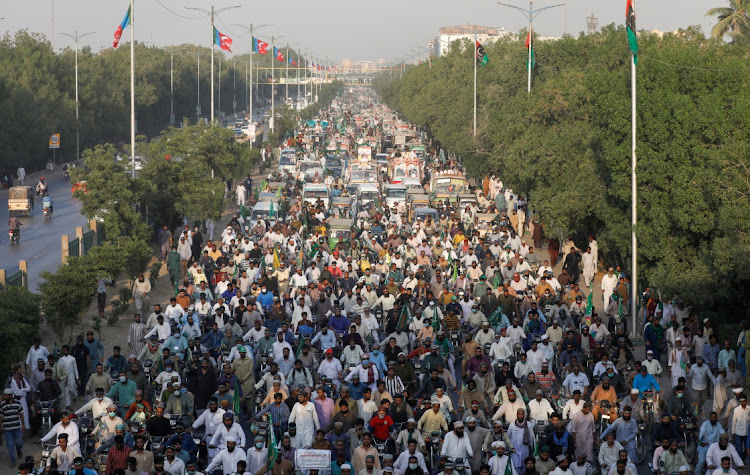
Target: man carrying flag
223,41
124,24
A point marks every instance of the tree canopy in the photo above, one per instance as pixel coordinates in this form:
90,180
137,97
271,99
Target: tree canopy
567,146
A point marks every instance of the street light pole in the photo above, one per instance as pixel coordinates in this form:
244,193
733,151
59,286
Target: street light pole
250,30
171,89
75,37
272,125
530,15
212,13
475,32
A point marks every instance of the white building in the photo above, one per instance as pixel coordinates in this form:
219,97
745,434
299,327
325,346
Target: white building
449,34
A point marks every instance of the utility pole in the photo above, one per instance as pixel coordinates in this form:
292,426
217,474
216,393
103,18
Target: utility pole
286,80
132,88
75,37
171,88
273,82
212,13
530,15
251,30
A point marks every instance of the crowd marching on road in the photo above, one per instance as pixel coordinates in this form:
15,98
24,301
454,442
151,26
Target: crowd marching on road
370,301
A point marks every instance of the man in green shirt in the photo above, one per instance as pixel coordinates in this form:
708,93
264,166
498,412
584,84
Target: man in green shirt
124,393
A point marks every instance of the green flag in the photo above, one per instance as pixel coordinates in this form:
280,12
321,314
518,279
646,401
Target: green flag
272,449
299,348
482,58
530,46
630,27
590,300
271,211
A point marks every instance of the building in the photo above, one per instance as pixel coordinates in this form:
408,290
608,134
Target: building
448,34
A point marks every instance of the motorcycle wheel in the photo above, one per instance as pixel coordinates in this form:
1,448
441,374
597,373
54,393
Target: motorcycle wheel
691,451
640,451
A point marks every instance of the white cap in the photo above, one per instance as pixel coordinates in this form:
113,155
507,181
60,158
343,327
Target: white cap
346,466
231,438
705,320
737,390
634,391
684,468
498,443
545,337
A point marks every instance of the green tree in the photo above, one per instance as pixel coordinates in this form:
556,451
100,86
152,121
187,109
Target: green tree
734,20
20,320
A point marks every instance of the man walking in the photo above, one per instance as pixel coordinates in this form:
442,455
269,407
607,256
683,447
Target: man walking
11,418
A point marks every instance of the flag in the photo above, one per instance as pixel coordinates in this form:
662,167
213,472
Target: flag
530,45
279,55
271,211
236,407
124,24
301,258
482,58
301,344
436,323
222,40
276,259
405,318
508,467
273,451
630,26
290,60
590,300
278,193
260,47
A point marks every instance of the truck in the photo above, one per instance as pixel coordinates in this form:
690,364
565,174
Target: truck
447,186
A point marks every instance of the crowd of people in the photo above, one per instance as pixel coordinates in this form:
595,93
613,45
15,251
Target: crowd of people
417,346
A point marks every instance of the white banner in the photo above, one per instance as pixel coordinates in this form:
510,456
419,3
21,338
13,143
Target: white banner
306,459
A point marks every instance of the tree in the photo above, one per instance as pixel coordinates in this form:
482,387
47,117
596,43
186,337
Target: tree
734,20
20,320
110,195
67,293
566,146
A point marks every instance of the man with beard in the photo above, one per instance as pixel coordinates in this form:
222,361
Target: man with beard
720,450
456,443
479,439
228,457
626,429
521,433
560,441
582,427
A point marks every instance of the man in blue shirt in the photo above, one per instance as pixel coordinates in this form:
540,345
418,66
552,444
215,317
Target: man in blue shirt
378,358
326,338
96,349
645,382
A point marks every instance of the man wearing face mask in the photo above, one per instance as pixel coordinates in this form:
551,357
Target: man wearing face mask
678,406
366,371
98,405
410,460
227,457
626,429
718,451
124,392
257,456
105,430
381,426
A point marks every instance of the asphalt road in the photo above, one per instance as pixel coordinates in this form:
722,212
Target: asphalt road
40,240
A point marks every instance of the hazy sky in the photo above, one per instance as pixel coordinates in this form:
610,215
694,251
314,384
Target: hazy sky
336,29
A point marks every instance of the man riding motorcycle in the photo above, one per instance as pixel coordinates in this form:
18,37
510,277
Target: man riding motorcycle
41,187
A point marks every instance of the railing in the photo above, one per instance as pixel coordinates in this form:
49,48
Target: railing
16,279
74,247
88,241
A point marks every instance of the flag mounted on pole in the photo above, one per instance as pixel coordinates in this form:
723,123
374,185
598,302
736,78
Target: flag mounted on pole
223,41
530,46
630,26
260,47
124,24
482,58
278,54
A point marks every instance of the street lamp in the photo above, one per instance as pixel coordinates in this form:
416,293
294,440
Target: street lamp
475,32
272,124
530,14
75,37
212,13
250,30
286,80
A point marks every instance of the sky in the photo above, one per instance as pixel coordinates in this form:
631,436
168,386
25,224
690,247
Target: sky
332,29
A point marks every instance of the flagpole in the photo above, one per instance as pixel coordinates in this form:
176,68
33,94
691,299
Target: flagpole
286,80
633,204
475,82
531,48
132,87
212,63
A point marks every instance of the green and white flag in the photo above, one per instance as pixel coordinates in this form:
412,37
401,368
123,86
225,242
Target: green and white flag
482,58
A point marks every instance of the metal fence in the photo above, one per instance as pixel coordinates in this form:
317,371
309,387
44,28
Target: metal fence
74,247
15,280
88,241
100,234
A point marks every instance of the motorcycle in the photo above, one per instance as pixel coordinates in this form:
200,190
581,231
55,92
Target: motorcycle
47,213
47,411
432,443
47,449
689,434
640,446
85,429
156,444
650,402
15,236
